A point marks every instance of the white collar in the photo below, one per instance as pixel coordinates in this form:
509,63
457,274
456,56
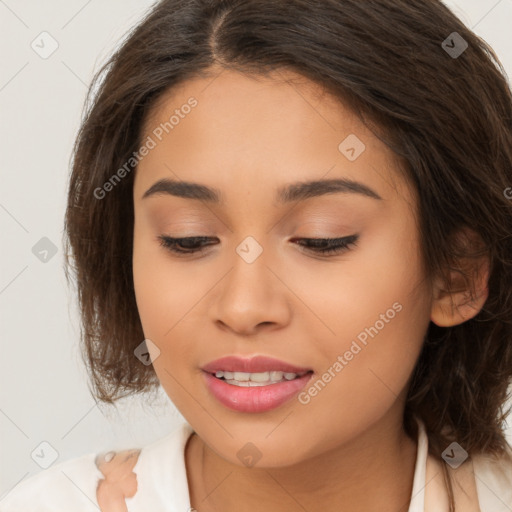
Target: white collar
420,471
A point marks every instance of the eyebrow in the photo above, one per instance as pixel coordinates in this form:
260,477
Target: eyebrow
298,191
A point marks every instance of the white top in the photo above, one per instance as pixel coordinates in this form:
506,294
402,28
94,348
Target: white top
162,482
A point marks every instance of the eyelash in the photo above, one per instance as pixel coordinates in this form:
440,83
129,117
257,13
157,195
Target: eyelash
335,246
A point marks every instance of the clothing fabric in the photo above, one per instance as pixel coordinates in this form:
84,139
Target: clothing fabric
155,479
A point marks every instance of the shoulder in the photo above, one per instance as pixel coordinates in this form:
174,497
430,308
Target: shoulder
154,475
71,483
85,483
493,477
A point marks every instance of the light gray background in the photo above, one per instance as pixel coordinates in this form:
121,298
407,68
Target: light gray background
43,393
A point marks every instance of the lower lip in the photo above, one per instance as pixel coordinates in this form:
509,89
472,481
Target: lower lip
254,399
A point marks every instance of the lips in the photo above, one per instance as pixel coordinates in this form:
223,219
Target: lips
255,364
254,399
261,398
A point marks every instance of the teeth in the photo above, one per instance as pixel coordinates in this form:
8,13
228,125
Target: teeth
276,376
245,379
256,377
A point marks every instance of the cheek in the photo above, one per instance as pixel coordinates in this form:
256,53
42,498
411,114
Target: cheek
162,303
380,321
165,292
361,381
158,291
376,292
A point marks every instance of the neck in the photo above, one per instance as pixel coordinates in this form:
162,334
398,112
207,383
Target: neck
372,472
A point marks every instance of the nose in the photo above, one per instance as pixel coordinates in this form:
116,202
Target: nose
252,297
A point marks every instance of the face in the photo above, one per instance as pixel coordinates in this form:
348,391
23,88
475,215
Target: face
354,318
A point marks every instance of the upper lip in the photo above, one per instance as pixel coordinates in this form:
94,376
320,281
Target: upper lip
252,365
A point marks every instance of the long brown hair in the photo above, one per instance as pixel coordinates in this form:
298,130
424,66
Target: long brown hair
448,117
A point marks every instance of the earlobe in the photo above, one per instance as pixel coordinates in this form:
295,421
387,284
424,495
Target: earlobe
456,308
459,300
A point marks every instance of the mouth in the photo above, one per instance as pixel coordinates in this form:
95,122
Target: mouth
260,367
254,385
257,379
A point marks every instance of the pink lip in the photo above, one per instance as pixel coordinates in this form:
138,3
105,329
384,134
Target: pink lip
253,365
254,399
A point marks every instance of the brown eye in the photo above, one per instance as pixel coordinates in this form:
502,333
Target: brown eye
188,245
323,246
328,246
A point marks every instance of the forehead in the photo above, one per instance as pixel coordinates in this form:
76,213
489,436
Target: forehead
261,104
265,130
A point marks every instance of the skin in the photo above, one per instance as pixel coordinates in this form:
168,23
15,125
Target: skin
346,449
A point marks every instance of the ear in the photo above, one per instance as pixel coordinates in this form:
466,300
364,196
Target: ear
462,297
